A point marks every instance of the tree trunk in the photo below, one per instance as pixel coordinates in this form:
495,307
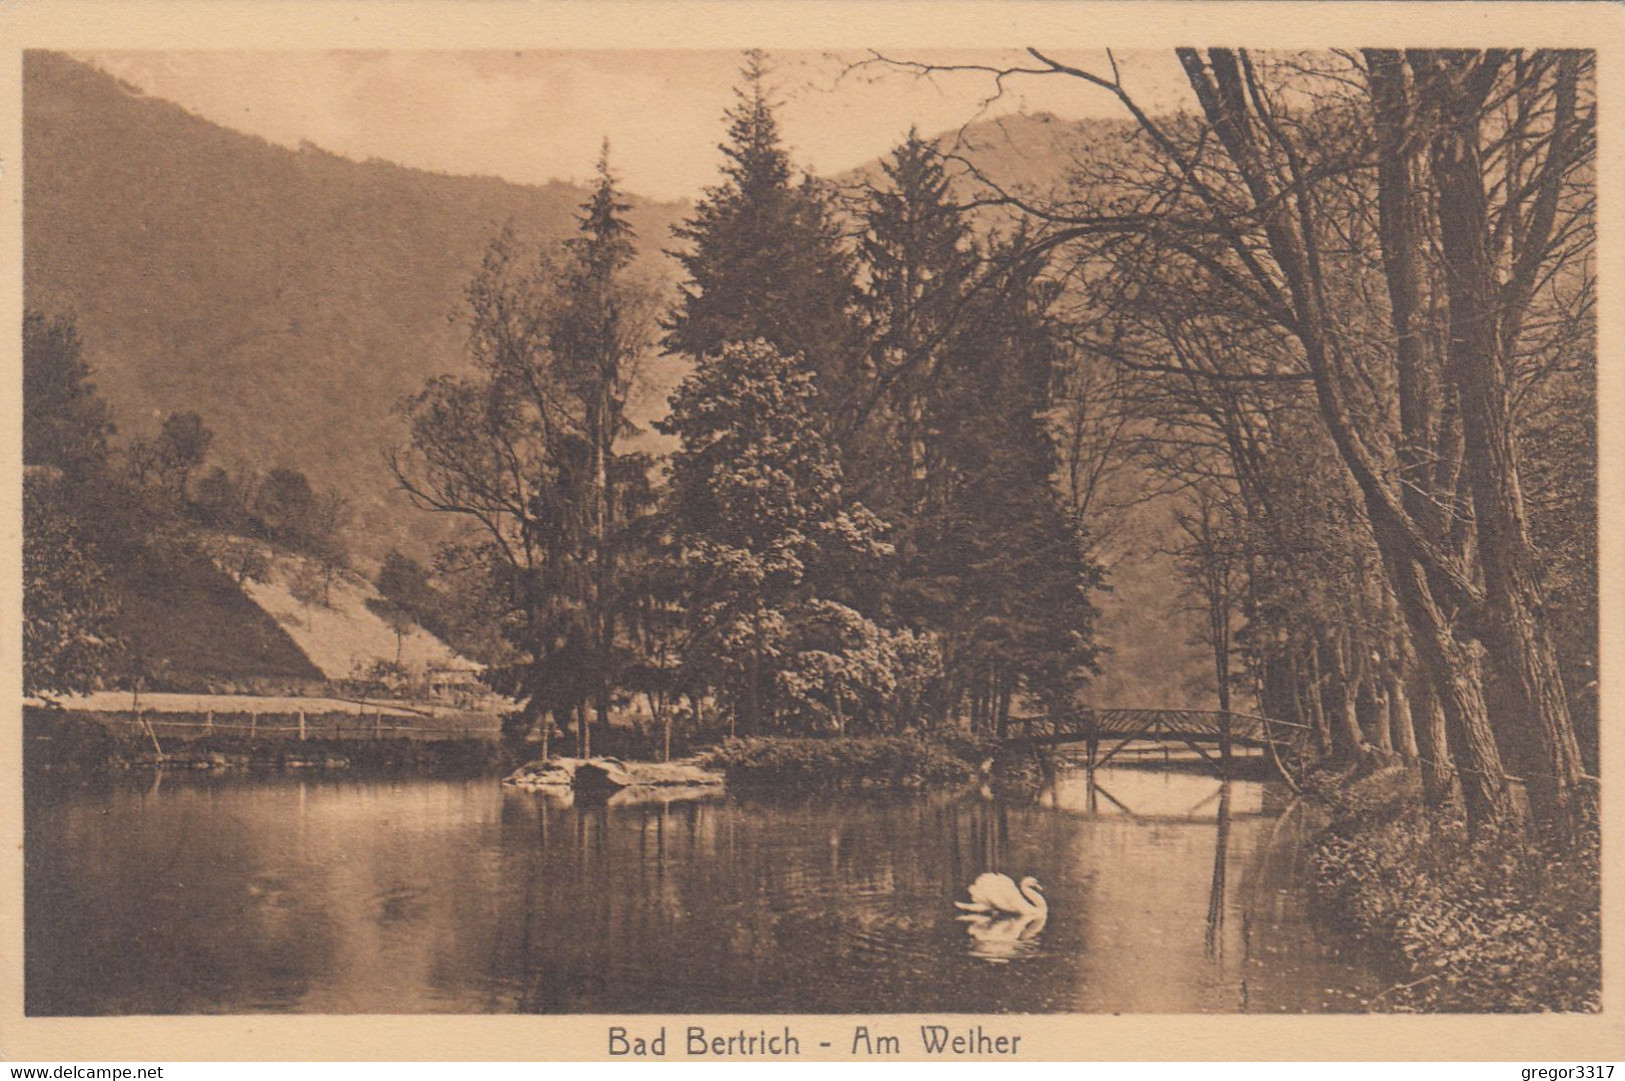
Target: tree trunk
1438,772
1219,616
999,701
1348,742
753,678
1453,670
1530,712
1401,722
1449,690
1373,710
1315,702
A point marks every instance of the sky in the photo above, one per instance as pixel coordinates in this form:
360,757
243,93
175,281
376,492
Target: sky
535,116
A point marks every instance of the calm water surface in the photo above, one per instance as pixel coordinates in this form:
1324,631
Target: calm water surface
1169,892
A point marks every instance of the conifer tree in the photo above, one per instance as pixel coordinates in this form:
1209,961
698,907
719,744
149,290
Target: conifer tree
763,255
999,567
525,448
601,331
919,263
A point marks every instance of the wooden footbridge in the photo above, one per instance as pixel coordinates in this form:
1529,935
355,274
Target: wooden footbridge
1211,733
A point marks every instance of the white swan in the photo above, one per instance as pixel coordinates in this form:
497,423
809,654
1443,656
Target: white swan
995,893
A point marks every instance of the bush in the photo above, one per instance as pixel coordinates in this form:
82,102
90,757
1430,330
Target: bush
79,745
55,739
847,762
1491,926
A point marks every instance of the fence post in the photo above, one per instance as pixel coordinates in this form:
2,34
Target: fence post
378,723
208,724
253,723
152,734
301,726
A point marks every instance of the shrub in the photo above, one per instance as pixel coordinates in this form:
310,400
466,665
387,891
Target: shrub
1489,926
874,761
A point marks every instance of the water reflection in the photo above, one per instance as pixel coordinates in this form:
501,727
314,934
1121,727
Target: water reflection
1213,944
1002,939
1167,892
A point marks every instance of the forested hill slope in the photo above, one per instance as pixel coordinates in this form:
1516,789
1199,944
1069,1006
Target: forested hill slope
290,297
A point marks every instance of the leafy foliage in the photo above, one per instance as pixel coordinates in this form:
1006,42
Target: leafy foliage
867,762
69,641
1479,927
66,424
767,541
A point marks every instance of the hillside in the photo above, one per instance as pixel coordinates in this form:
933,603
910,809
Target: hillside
345,637
294,297
192,627
290,297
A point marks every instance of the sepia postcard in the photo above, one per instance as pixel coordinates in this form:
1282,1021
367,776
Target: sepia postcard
699,532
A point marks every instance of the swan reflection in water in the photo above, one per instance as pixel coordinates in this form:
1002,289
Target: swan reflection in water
1002,919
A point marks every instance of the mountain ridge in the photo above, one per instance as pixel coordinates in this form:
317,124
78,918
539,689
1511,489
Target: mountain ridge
292,297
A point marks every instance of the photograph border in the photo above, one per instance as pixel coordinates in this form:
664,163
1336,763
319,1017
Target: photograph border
836,25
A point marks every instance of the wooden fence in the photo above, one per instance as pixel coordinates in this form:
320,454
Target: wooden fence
300,725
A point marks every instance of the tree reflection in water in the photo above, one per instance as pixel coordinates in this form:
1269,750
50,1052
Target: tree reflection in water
1213,944
342,896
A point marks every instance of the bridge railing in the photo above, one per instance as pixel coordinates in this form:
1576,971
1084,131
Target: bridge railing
1120,721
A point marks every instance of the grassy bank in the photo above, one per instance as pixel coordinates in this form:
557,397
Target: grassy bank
852,762
65,743
1493,926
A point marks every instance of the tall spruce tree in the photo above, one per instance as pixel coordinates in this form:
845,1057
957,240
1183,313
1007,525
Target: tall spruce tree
999,568
524,447
764,258
919,261
602,330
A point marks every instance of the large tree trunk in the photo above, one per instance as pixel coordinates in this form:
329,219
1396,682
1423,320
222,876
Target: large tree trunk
1530,712
1373,710
1397,664
1449,691
1452,672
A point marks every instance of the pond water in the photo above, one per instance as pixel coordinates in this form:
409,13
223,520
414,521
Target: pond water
1169,892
